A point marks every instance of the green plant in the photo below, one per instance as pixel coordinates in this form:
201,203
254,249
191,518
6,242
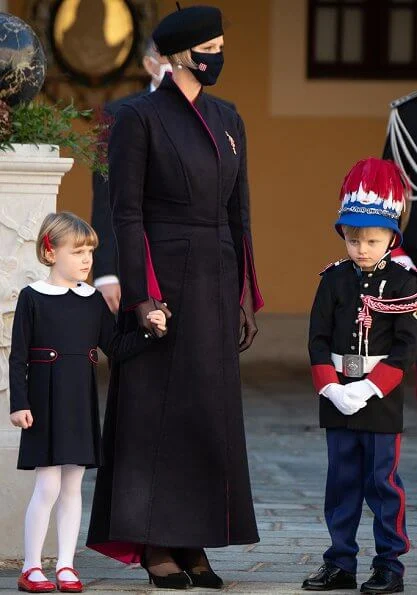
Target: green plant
39,123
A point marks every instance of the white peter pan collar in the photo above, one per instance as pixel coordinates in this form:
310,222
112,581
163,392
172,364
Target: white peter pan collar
82,289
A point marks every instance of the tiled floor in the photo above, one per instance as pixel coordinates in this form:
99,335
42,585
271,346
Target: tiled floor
287,459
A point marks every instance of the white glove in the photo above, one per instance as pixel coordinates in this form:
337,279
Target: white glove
346,405
360,391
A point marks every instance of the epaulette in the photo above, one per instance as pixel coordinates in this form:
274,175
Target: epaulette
402,100
333,265
411,270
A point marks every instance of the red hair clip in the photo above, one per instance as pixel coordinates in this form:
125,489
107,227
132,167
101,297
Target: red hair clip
47,242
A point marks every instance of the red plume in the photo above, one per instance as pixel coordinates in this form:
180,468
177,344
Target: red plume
380,176
47,242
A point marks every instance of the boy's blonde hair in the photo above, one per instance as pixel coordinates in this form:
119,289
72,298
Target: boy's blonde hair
355,232
57,227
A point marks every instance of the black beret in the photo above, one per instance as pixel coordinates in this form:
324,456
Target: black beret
187,27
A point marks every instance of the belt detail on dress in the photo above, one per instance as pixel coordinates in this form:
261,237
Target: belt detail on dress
47,355
355,366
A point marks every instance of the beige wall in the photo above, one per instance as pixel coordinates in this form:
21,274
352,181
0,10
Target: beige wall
302,138
294,95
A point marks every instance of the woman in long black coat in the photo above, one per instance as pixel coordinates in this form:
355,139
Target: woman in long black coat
176,474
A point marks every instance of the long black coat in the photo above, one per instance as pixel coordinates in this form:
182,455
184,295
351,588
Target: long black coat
55,335
334,329
105,255
176,469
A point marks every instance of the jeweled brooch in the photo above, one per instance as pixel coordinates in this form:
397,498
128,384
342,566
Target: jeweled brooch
231,141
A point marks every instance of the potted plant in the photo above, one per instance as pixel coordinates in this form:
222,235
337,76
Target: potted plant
25,127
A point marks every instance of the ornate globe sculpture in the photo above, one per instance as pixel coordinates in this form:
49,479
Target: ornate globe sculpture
22,61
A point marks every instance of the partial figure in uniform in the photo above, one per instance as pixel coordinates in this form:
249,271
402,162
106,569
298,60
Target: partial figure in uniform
58,325
401,147
363,337
105,273
175,478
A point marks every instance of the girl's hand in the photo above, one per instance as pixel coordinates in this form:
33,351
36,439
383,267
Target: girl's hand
22,419
158,318
142,312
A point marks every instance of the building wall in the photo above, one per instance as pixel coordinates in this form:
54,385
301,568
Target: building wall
302,138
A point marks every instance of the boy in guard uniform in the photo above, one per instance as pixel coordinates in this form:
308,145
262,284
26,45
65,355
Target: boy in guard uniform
363,337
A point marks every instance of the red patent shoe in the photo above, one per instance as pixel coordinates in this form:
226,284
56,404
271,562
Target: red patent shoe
68,586
25,584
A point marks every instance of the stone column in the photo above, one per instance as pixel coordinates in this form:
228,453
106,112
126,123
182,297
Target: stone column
29,181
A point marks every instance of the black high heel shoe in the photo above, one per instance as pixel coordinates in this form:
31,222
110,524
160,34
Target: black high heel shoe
176,580
206,579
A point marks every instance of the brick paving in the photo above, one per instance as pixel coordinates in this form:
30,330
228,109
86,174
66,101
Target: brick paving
287,459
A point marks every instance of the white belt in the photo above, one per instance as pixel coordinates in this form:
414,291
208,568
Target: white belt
368,363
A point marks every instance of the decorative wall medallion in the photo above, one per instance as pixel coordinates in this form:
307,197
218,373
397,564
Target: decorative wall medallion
94,47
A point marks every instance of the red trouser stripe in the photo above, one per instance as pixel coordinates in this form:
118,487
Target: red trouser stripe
399,527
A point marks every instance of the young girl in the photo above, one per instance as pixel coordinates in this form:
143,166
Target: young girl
58,325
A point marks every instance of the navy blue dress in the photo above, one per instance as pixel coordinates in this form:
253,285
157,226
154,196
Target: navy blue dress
56,332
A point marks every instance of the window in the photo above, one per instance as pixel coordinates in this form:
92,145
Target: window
370,39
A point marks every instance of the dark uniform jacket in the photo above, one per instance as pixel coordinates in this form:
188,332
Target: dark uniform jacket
105,256
334,328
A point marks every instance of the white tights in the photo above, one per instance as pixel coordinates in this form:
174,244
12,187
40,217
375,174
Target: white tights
60,484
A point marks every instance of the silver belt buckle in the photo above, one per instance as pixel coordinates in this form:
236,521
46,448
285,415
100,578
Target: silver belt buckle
353,366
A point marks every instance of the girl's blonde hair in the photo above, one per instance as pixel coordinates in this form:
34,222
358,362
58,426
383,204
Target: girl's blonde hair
57,227
182,59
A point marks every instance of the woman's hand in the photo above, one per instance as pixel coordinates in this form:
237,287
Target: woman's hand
144,309
22,419
247,319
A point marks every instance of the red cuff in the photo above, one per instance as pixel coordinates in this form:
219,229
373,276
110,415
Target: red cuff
385,377
323,374
249,270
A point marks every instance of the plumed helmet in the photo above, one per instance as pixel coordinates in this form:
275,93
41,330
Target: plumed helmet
373,194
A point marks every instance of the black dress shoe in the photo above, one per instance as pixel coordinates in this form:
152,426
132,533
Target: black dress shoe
329,577
205,579
383,580
176,580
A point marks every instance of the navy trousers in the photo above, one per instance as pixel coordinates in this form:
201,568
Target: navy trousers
363,465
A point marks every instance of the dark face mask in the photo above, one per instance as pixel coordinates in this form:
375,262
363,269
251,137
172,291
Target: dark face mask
209,66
